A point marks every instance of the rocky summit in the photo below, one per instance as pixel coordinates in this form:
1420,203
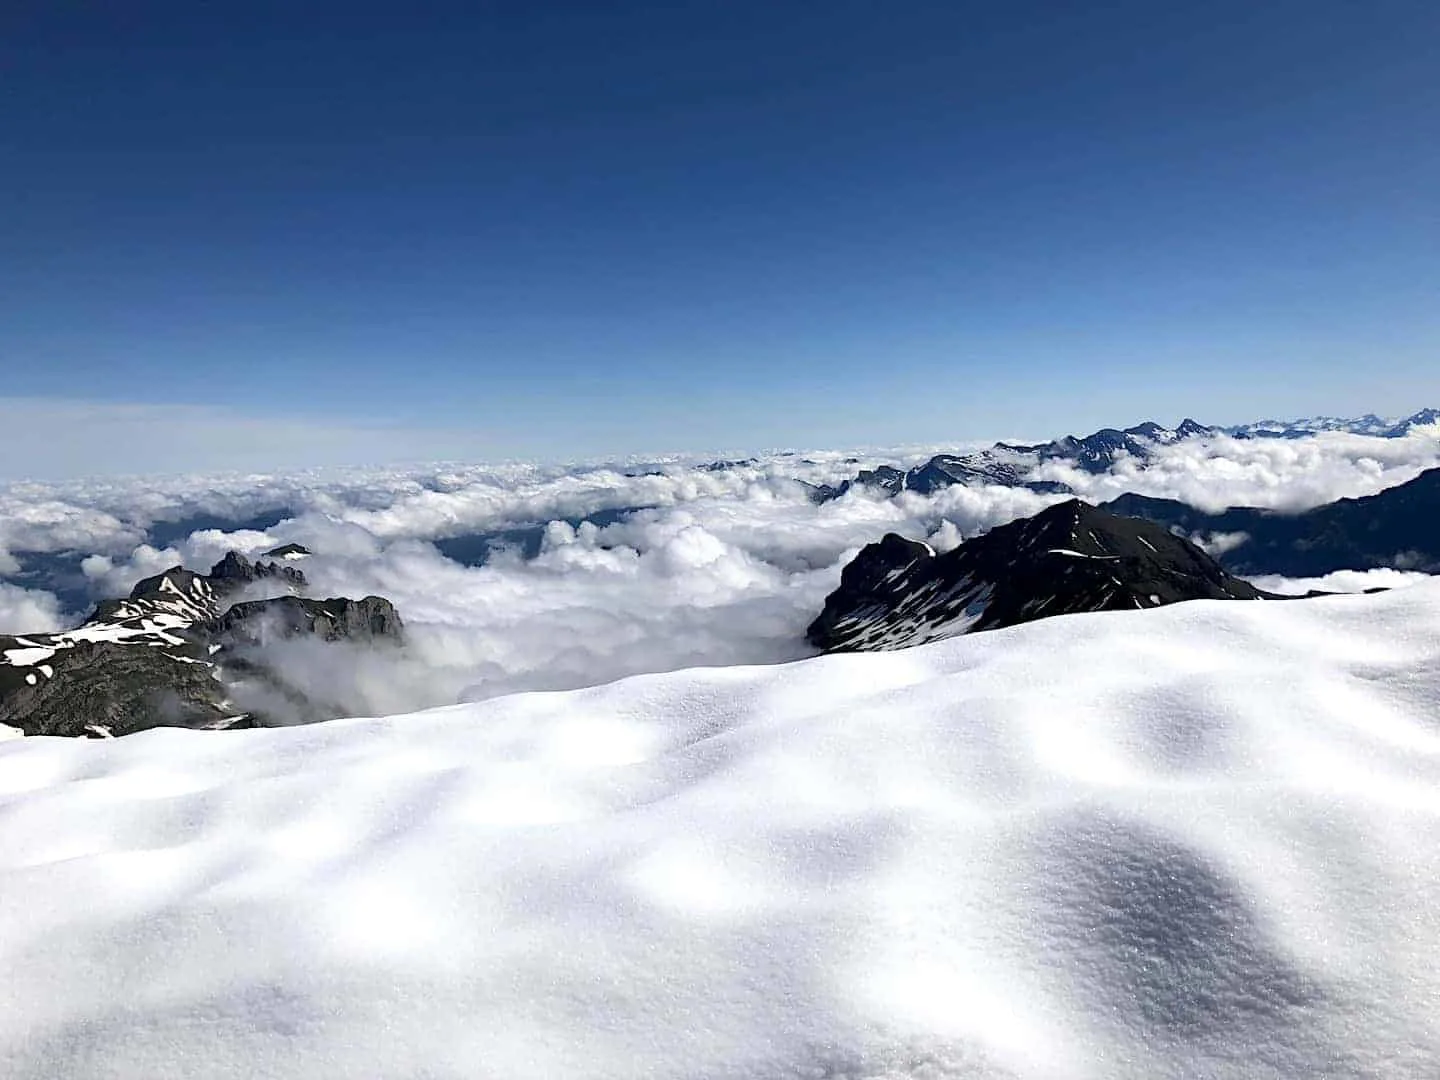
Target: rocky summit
170,653
1071,557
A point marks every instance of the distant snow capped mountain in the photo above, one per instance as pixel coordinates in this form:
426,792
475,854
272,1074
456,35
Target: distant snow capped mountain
1423,418
1369,424
1098,452
1012,464
1069,558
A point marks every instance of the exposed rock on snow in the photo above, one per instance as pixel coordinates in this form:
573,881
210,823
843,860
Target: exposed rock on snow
161,656
1069,558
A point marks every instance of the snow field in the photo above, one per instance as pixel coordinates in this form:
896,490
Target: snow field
1196,841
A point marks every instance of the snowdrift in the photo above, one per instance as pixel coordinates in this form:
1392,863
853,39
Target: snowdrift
1197,841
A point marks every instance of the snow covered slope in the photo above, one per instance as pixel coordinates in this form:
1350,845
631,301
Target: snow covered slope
1202,840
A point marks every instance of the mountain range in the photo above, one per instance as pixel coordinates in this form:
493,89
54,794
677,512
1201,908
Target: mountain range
1369,424
1013,464
1398,527
176,649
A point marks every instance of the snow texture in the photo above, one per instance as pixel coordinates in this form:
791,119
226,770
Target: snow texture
1196,841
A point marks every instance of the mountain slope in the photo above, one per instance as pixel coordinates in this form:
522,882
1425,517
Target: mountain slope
163,655
1071,557
1398,527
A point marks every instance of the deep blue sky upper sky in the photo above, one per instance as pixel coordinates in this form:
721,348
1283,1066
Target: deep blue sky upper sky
573,228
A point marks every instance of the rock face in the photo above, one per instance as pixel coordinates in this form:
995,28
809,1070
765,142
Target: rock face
259,622
161,656
1071,557
105,688
1399,527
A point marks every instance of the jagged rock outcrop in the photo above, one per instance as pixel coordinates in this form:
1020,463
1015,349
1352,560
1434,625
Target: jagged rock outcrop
161,656
111,688
259,622
1071,557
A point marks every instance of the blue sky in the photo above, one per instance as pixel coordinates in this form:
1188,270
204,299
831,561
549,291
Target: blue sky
559,230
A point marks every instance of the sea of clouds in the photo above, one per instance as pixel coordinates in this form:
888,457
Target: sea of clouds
593,572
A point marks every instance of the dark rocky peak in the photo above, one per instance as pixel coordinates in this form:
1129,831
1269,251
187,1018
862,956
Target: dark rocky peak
1149,430
229,575
175,581
945,470
1071,557
879,561
235,571
1190,429
823,493
177,596
1075,526
1096,453
886,477
724,466
257,622
1423,418
174,652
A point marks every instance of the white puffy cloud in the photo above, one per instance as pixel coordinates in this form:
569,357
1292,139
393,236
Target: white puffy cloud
1281,474
722,566
1341,581
32,521
28,611
1217,544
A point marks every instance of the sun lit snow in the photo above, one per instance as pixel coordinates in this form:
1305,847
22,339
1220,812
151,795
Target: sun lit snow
1195,841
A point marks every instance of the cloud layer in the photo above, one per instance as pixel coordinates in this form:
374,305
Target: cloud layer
28,610
685,565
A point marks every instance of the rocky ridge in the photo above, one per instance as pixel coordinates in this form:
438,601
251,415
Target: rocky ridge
169,653
1015,464
1071,557
1398,527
